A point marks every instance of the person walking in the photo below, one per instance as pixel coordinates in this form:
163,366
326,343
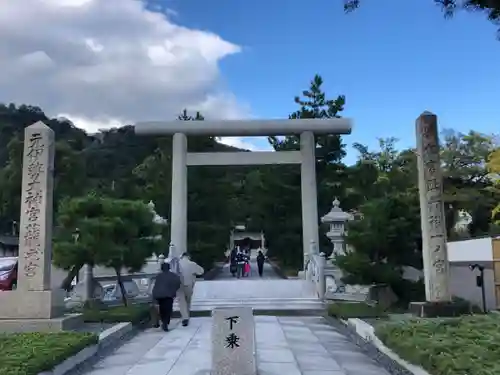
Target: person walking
233,267
188,270
260,262
166,286
240,263
248,269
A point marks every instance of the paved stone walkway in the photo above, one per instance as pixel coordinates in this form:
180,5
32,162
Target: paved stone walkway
285,345
268,273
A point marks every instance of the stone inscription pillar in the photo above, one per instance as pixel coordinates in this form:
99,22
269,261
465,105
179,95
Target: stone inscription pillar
310,224
35,234
430,178
178,219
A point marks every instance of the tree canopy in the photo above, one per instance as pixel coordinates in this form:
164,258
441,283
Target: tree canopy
115,233
383,187
491,8
380,188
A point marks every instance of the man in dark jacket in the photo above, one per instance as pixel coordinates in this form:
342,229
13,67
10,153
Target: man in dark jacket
260,262
233,266
166,286
240,263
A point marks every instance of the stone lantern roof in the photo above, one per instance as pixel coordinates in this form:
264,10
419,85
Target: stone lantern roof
336,214
157,218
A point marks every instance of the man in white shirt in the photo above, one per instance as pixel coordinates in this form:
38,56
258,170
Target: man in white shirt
189,270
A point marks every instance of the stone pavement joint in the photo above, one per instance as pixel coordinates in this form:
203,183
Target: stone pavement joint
285,345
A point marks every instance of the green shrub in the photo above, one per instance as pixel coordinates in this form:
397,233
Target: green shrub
32,353
346,310
134,314
408,290
472,308
455,346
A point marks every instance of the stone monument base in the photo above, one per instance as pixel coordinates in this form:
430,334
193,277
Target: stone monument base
35,311
62,323
43,304
439,309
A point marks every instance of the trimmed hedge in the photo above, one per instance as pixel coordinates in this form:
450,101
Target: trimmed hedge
135,314
32,353
346,310
468,345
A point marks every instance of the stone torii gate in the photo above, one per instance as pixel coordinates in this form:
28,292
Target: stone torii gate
181,159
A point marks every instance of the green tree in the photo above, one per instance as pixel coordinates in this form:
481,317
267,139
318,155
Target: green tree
382,186
467,185
118,164
210,193
493,166
385,240
115,233
491,8
279,197
380,173
69,177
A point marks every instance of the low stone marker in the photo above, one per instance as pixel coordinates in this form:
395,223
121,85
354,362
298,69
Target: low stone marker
233,341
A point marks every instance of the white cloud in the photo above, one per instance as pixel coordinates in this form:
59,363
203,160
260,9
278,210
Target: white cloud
96,125
102,63
244,143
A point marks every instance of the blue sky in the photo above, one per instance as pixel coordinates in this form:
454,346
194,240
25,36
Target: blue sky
392,61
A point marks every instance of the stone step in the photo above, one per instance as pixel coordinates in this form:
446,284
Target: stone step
274,306
258,300
253,302
262,306
258,311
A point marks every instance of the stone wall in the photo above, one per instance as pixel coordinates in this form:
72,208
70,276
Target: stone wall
463,284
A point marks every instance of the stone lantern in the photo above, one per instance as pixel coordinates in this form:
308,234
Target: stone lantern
157,219
336,219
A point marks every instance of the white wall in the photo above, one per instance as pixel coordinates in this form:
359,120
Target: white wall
476,250
462,279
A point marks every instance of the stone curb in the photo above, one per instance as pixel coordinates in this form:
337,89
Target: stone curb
363,335
106,339
367,332
111,335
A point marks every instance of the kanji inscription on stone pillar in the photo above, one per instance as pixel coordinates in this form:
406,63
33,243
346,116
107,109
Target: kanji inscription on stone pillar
35,237
436,269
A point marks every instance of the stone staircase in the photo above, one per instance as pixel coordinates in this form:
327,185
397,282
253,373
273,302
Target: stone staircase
266,297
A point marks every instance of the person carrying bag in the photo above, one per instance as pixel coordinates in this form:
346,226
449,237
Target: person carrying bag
164,291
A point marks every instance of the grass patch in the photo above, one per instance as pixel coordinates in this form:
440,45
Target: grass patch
454,346
346,310
32,353
135,314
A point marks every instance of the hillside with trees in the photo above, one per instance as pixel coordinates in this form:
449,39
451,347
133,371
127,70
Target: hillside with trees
381,186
